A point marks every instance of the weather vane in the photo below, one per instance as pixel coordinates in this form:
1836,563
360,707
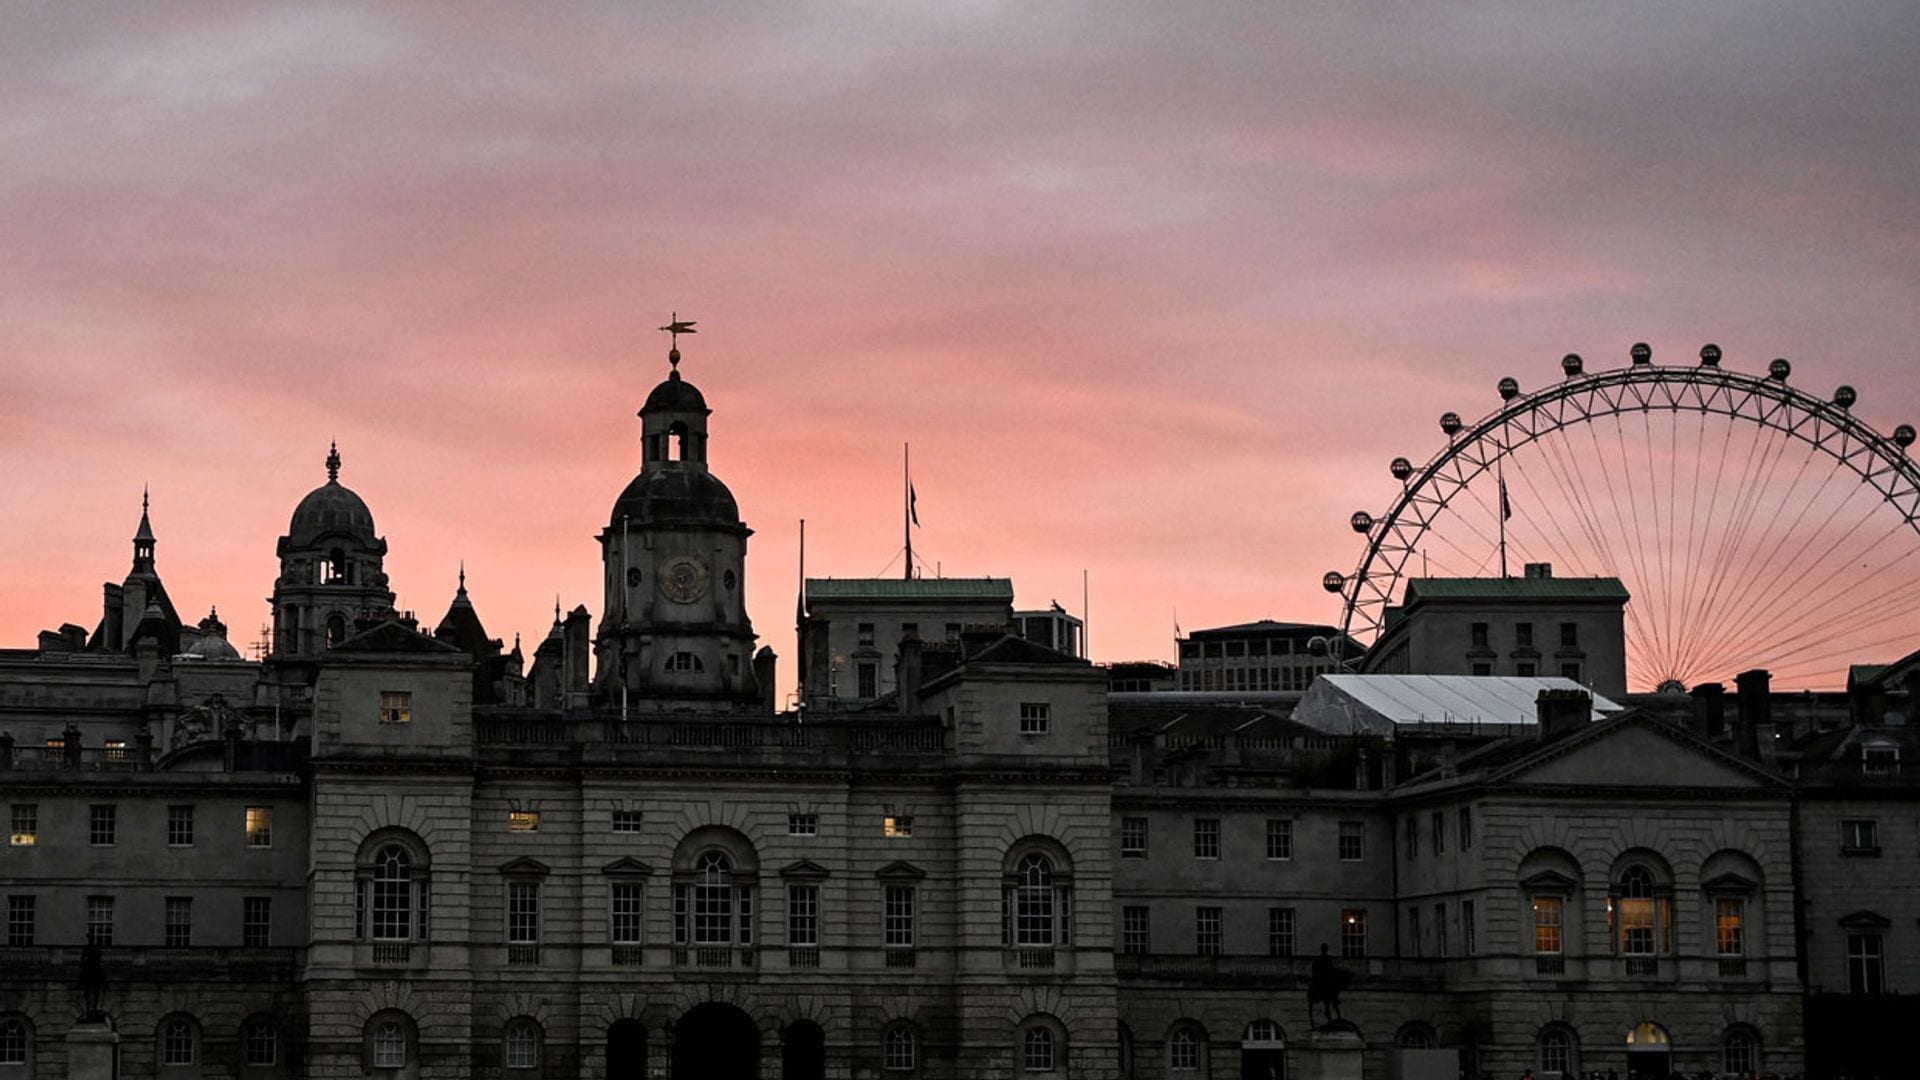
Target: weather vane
677,326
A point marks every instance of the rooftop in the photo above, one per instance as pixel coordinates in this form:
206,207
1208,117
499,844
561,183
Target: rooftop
1355,704
987,588
1263,626
1515,588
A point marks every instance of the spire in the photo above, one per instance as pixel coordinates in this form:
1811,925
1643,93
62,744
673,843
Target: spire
463,579
333,463
143,538
145,532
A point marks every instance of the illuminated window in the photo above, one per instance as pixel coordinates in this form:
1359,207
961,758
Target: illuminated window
523,820
897,826
1353,933
1547,915
1730,926
259,826
26,825
116,749
396,707
1636,911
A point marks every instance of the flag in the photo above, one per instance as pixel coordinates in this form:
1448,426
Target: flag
913,501
1506,507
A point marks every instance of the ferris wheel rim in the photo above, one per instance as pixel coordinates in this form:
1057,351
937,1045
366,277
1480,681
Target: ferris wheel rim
1879,461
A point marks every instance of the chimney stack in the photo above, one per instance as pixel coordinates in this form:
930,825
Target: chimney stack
578,627
908,664
1755,707
1562,711
766,664
1709,710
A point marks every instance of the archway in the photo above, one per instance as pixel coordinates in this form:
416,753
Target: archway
803,1052
1263,1052
716,1041
1649,1051
627,1050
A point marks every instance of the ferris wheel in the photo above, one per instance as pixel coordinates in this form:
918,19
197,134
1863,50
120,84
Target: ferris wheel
1753,524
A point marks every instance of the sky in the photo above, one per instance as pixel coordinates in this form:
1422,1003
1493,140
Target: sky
1155,291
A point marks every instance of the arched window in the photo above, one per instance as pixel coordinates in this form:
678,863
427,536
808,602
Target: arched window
685,661
1558,1051
1183,1049
1416,1035
1640,913
336,629
1037,1050
260,1042
392,894
16,1043
1033,901
901,1053
1036,897
713,883
713,899
179,1041
391,889
389,1045
1740,1051
523,1045
677,438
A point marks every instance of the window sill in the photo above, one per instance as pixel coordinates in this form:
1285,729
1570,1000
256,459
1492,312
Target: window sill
1860,852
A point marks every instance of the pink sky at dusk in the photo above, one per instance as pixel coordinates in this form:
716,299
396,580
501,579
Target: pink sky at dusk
1154,290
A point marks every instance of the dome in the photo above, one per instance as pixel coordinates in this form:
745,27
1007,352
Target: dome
330,508
676,394
676,495
213,647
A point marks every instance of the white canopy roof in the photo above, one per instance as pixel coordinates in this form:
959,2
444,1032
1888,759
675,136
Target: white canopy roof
1381,704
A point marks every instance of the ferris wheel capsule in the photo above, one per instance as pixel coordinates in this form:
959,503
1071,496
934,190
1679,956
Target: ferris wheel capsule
1450,423
1333,581
1642,354
1709,355
1845,397
1361,521
1779,369
1903,436
1509,388
1401,468
1572,365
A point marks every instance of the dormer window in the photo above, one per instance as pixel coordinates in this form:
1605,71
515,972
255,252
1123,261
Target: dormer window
685,662
396,707
1880,759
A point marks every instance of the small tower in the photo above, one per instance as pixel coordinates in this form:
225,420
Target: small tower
126,604
674,630
330,571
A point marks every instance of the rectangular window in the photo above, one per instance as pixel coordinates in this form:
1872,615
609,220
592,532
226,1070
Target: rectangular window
523,912
626,821
1526,669
1439,929
259,826
26,825
1865,973
1206,931
1482,668
1136,935
1034,717
1279,931
256,922
396,707
1411,830
1206,838
869,680
803,915
1547,911
523,821
179,932
1478,633
1570,669
1859,836
1439,828
896,826
897,920
180,826
1467,933
1133,838
1569,635
1353,933
101,823
953,631
866,633
803,824
623,912
1413,930
1279,838
100,920
20,911
1353,841
1730,926
1466,828
115,749
1523,635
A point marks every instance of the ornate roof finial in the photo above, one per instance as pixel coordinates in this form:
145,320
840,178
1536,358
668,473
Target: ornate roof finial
143,500
333,463
556,608
463,577
675,327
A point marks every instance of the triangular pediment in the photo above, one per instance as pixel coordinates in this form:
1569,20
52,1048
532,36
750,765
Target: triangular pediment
626,866
525,867
1636,752
805,870
1729,883
1865,920
1549,881
900,871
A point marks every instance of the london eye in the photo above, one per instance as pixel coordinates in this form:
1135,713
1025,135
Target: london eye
1753,523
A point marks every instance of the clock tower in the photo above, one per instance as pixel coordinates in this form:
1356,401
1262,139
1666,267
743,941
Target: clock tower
674,633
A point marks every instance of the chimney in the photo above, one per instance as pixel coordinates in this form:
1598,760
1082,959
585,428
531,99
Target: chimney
1562,711
1710,710
765,664
578,647
1755,714
113,634
907,665
1537,570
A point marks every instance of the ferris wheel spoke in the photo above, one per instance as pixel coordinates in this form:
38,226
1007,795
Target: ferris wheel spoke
1823,598
1818,634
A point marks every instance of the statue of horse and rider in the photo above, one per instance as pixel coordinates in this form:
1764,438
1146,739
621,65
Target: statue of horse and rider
1324,984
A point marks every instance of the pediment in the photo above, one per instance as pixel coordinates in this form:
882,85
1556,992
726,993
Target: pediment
525,867
1637,753
626,866
900,871
805,870
1865,920
1730,883
1549,881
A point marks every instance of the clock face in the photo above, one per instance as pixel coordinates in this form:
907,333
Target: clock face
683,579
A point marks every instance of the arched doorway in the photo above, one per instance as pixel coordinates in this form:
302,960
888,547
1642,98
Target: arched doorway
1263,1052
803,1052
1649,1051
627,1050
716,1041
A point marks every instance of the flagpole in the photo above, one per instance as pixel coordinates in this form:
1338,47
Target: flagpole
1504,514
906,503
